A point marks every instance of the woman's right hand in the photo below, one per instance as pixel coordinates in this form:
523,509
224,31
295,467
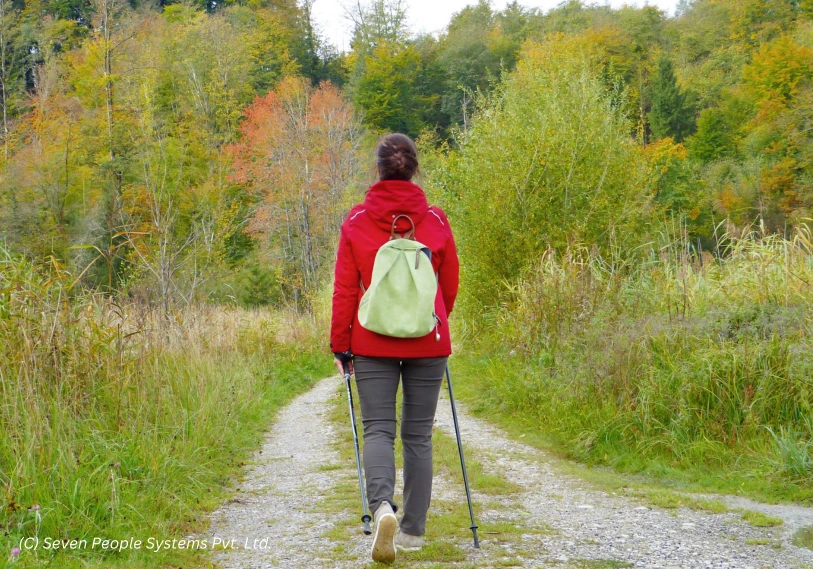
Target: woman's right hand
339,359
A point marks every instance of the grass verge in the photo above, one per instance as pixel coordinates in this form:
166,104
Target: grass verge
687,369
652,476
125,425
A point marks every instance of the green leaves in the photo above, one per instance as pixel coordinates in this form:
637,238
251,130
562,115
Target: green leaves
385,90
547,163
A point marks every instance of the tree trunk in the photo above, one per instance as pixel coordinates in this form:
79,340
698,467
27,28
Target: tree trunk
4,15
106,12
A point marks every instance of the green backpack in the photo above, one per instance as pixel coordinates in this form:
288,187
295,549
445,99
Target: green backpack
401,299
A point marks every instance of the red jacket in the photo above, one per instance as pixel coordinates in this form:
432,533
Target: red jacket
367,228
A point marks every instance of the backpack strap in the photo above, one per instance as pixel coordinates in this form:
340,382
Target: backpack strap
409,234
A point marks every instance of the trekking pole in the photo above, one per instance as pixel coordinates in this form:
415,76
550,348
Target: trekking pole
473,527
365,518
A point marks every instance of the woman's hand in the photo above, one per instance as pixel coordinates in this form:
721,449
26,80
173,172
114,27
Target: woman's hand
339,363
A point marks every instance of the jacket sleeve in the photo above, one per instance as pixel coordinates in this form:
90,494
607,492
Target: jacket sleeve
345,294
449,272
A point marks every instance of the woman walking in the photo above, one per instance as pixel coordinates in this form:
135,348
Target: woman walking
382,362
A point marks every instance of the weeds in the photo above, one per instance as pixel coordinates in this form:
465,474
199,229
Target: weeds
803,537
793,453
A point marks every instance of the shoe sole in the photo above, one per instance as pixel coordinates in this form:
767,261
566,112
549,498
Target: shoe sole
384,539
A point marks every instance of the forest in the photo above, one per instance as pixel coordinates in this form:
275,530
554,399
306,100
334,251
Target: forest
631,194
136,135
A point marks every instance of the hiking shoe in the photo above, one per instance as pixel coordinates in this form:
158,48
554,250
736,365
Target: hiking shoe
406,542
384,537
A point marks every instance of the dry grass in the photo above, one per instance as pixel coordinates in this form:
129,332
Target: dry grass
120,421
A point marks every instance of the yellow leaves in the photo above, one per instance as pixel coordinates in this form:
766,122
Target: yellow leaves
661,155
728,200
757,21
181,13
778,71
536,54
267,46
779,179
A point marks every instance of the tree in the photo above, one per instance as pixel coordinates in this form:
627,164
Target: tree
671,114
386,90
7,20
468,61
779,71
298,155
713,138
317,59
547,163
108,13
757,21
377,22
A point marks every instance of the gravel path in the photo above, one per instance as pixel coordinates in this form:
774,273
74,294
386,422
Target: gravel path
578,526
599,526
276,500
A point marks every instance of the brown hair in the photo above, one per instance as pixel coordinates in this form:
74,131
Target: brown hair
397,157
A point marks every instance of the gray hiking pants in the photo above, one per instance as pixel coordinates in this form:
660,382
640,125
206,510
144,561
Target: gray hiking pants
377,381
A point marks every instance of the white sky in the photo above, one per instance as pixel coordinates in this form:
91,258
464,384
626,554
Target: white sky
433,15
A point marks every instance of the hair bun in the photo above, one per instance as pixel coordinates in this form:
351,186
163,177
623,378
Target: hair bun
397,157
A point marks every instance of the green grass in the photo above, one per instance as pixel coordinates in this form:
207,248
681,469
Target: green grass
803,537
161,488
116,436
748,471
447,460
692,373
760,520
764,541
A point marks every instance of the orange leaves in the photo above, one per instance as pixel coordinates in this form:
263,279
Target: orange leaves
728,200
779,179
297,154
288,133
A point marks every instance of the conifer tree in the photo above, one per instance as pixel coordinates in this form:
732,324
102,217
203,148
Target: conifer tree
671,113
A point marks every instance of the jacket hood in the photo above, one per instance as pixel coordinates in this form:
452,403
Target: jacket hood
388,199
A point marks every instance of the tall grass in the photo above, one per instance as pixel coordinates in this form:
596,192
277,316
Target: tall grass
675,362
118,421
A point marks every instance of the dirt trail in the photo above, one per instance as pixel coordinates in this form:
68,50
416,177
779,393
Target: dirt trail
568,524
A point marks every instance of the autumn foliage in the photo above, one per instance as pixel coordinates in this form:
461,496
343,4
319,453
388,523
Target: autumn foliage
298,154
